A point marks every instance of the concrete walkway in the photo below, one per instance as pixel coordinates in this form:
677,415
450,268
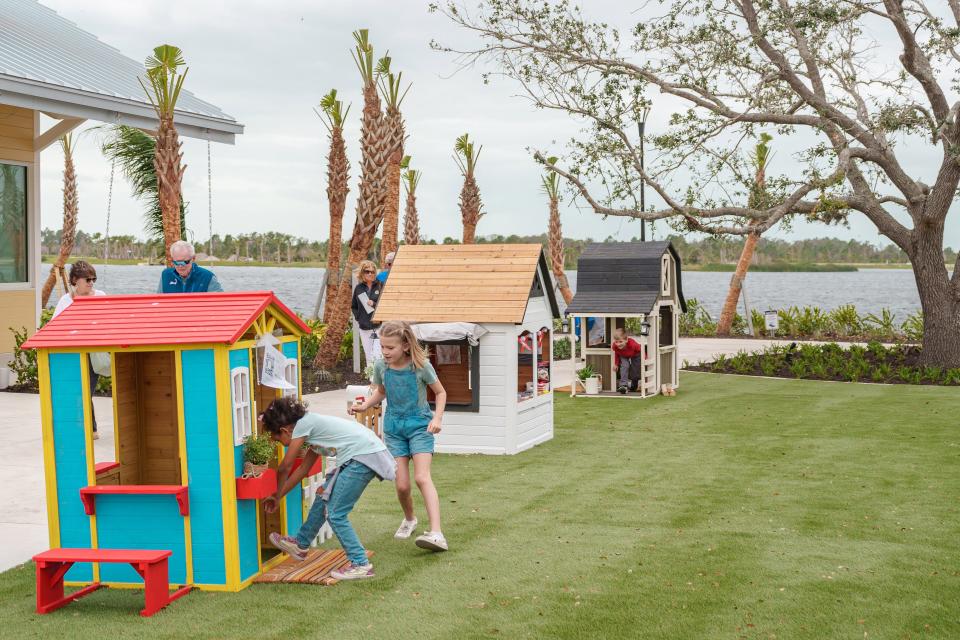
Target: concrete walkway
23,521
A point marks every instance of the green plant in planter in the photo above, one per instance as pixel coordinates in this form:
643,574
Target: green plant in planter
586,372
258,449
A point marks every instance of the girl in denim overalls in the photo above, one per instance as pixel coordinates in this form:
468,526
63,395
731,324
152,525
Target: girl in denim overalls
402,377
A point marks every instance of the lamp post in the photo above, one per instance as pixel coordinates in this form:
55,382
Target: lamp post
641,125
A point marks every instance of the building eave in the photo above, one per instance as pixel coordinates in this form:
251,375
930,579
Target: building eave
74,103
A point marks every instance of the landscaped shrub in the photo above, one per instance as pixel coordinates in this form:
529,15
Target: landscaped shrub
873,363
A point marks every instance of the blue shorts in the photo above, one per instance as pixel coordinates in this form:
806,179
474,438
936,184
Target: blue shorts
404,438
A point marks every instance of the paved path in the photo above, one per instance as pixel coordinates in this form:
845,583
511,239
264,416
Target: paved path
23,521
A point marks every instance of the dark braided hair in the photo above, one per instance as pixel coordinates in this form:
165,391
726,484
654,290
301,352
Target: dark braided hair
282,412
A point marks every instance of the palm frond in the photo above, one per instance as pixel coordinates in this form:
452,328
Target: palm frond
133,151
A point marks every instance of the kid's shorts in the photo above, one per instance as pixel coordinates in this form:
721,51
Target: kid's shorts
404,440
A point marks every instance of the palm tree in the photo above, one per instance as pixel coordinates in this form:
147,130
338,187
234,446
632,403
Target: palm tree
411,222
134,152
165,82
551,186
760,158
374,151
470,204
393,95
333,115
70,209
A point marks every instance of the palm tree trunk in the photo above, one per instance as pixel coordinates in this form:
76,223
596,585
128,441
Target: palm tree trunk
338,185
470,208
167,163
370,204
411,222
736,285
555,241
391,210
69,234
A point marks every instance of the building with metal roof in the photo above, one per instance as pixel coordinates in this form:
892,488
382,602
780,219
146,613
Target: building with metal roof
50,66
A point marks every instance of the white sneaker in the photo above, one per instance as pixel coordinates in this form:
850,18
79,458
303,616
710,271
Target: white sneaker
432,540
407,527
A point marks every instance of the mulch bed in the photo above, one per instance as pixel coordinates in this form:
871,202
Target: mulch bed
316,381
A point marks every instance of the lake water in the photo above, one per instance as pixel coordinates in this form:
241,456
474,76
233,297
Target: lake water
869,290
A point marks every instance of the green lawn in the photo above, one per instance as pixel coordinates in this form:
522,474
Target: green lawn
742,508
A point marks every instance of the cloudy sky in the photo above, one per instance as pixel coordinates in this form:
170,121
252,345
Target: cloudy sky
268,63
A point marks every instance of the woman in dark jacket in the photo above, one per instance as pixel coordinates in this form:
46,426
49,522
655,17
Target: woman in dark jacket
365,296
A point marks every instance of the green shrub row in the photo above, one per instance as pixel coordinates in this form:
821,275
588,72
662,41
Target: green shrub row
844,323
872,363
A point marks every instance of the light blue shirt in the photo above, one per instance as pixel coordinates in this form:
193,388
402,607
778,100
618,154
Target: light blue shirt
348,437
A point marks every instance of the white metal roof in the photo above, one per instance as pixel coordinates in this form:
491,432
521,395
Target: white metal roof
50,64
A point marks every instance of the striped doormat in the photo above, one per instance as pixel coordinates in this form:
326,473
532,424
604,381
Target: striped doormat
314,570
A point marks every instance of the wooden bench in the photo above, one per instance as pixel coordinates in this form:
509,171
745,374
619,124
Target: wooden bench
150,564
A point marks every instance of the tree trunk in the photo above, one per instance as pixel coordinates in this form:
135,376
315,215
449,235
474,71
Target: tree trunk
167,163
939,300
374,152
411,221
338,185
736,284
470,208
391,209
555,241
69,233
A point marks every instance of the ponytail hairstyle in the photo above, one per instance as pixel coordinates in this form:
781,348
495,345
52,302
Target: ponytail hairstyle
408,340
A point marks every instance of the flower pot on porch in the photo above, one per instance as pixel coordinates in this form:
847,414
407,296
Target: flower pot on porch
592,385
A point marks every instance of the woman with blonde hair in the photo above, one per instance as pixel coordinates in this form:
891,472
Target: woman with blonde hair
365,297
409,426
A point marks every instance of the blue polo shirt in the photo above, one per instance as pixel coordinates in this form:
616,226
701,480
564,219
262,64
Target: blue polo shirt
199,280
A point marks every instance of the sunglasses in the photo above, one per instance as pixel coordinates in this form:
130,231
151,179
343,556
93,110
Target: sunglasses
90,280
368,271
182,263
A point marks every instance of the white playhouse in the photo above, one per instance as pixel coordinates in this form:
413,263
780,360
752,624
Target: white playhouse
636,286
486,312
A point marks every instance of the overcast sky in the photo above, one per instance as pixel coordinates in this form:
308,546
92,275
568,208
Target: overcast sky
268,64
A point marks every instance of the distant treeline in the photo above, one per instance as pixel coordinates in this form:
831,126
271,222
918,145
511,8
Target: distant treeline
285,248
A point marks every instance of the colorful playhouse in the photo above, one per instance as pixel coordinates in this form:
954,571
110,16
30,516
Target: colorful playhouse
185,394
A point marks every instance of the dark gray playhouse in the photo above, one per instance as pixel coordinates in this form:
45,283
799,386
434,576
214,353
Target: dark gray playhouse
621,280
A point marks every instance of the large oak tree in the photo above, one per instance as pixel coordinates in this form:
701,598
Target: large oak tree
850,83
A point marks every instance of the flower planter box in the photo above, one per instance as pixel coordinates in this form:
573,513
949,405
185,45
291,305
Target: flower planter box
257,488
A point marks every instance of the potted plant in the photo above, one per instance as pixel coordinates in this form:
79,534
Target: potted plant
258,451
590,379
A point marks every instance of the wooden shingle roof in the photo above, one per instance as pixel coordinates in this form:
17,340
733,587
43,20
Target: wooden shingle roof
460,283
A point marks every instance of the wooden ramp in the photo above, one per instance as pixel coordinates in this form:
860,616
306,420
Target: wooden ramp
314,570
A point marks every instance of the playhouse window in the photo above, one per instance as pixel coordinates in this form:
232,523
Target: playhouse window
665,275
526,357
290,375
457,364
544,357
240,387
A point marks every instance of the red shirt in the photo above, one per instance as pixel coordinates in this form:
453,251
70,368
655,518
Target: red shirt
629,350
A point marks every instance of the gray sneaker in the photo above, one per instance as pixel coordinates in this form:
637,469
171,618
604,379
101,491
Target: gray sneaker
289,545
353,572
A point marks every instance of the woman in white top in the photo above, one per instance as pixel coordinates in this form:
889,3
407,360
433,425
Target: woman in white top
82,278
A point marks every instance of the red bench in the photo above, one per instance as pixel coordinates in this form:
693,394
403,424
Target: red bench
151,565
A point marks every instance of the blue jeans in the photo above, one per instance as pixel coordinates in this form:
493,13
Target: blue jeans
351,481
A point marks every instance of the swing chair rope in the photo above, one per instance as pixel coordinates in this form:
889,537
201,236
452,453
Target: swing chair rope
209,199
106,235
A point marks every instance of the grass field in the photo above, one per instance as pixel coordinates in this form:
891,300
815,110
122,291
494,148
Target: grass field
742,508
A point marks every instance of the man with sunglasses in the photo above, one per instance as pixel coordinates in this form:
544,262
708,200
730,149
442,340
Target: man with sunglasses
186,276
